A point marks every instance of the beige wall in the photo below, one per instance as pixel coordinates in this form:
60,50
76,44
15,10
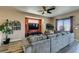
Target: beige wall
75,20
13,14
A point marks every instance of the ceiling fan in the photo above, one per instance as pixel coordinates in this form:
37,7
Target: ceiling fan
46,9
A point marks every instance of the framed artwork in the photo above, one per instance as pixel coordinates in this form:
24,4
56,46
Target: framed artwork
16,25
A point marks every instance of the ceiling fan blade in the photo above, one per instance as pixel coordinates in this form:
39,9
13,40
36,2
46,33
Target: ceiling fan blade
52,8
44,8
49,12
43,12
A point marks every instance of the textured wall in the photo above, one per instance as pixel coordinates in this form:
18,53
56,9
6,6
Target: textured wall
13,14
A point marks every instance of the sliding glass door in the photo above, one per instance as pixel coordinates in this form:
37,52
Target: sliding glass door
59,25
64,24
67,25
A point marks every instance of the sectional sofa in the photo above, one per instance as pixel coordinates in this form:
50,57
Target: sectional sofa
51,43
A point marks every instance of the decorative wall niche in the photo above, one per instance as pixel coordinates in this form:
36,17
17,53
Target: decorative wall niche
32,26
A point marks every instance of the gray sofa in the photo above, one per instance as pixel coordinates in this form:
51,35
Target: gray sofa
60,41
53,44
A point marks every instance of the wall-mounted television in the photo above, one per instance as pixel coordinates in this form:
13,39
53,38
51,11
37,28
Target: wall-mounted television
49,26
33,26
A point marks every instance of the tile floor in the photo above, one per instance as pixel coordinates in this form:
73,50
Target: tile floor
72,48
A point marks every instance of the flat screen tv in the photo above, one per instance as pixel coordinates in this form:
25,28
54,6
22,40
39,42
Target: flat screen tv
33,26
49,27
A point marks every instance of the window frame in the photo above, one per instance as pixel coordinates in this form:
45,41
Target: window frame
71,20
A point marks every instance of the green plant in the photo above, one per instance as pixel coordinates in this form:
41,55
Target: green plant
6,28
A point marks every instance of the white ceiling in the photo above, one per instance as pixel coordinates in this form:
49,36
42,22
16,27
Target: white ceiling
58,11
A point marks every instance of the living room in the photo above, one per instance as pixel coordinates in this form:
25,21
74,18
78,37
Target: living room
45,18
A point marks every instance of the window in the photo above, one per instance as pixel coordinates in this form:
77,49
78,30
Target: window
64,24
67,25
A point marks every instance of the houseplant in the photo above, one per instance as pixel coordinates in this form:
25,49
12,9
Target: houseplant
6,28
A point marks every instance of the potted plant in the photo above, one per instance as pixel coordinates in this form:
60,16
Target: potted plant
6,28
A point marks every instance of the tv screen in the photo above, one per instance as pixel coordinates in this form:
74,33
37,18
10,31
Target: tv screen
33,26
49,26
